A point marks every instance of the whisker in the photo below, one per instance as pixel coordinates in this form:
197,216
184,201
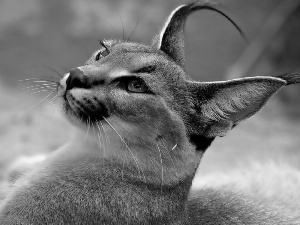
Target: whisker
133,156
106,136
40,102
99,137
109,148
172,161
123,29
53,99
174,147
107,140
162,168
96,135
92,125
39,88
100,133
33,80
52,104
88,128
110,25
74,111
41,91
133,31
38,80
135,28
49,68
43,77
41,85
123,163
136,136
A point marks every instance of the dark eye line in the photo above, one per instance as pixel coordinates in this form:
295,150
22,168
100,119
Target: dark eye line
146,69
126,79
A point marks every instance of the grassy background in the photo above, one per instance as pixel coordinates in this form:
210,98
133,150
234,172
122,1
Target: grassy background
62,34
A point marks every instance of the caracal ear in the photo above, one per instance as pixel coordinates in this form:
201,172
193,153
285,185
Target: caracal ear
171,37
222,105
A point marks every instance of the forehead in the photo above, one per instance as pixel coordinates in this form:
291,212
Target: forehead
130,54
131,47
132,50
134,56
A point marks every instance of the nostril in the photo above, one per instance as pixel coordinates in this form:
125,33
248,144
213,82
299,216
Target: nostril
76,79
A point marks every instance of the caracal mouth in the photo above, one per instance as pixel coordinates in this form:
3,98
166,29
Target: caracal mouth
86,109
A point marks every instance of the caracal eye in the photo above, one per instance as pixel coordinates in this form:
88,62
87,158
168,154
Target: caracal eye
137,86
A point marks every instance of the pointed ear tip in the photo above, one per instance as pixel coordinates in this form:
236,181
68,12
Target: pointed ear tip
290,78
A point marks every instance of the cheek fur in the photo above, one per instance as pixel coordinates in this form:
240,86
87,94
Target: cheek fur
135,107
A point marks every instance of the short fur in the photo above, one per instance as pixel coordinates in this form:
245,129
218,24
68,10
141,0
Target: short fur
143,127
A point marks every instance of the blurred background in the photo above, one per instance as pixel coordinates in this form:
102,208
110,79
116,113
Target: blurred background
39,37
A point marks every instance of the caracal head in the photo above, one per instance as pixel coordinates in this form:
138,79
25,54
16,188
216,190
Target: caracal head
141,95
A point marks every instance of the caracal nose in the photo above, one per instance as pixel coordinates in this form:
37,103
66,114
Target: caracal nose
76,79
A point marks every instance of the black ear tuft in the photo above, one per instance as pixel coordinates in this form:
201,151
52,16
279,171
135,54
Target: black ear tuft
171,38
291,78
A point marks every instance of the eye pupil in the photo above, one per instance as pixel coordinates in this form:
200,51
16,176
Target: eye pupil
137,86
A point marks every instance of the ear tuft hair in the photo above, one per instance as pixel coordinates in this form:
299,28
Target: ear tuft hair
290,78
171,38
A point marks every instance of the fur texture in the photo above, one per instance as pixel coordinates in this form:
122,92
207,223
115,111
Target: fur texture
143,127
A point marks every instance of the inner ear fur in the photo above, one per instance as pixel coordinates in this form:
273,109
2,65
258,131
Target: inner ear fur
222,105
